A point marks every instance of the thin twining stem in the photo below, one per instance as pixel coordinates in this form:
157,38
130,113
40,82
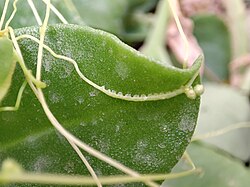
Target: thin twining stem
41,41
6,4
57,12
189,160
18,100
19,58
35,12
114,94
86,163
52,7
179,26
12,14
221,131
87,181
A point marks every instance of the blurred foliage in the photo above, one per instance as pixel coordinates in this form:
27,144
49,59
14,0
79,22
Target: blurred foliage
214,38
228,108
218,169
224,39
126,19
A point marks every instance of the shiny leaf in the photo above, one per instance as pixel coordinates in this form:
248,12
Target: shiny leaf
148,136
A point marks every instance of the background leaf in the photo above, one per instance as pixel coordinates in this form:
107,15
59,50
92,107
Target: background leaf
218,170
126,19
221,107
214,39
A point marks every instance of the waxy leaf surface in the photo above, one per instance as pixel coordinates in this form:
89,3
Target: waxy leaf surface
149,136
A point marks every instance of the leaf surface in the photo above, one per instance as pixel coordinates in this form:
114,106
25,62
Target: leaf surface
149,136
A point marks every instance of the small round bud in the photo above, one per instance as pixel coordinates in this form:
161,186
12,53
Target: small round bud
190,93
199,89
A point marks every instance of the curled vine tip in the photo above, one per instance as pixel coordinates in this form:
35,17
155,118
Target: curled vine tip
38,83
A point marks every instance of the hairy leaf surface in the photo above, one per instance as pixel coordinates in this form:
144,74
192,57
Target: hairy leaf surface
149,136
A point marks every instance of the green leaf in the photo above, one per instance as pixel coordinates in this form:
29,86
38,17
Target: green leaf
7,65
222,107
214,38
7,58
218,170
149,136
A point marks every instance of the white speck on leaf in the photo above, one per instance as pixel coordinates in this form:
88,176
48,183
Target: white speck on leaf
94,93
41,163
69,167
164,128
144,157
66,71
162,145
80,100
55,98
122,70
186,123
82,124
47,65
